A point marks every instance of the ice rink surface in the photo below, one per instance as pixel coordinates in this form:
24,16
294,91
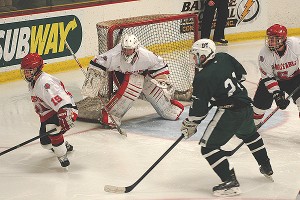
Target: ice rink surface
102,157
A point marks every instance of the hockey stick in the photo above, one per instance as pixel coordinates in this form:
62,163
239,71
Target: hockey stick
116,189
102,102
230,153
27,141
118,38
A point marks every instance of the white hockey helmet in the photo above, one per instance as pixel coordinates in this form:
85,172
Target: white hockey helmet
129,45
202,51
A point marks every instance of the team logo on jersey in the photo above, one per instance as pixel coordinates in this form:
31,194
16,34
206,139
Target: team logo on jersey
261,59
47,86
104,58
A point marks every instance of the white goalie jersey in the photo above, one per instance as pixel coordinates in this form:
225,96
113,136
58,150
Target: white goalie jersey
145,60
273,67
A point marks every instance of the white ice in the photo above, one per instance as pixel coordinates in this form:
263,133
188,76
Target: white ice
102,157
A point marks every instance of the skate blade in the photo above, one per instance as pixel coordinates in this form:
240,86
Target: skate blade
228,192
269,177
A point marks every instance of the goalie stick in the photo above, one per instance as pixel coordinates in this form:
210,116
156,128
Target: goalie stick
27,141
116,189
230,153
102,102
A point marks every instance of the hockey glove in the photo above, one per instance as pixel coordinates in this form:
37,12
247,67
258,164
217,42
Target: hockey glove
280,100
67,117
188,128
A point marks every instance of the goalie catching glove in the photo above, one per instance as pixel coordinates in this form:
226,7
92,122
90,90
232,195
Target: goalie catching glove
188,128
67,117
280,100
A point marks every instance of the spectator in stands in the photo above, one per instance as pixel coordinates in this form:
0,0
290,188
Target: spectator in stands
208,15
6,6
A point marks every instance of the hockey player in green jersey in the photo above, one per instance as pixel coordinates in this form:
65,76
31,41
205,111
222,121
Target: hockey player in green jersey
218,82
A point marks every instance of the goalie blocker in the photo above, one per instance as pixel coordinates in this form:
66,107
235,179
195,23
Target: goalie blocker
159,93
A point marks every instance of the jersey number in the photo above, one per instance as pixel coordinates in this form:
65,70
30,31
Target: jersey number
55,100
229,84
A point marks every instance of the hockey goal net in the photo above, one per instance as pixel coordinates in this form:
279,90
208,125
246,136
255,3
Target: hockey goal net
168,35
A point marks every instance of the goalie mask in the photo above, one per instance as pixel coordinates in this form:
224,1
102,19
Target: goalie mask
202,51
129,46
31,66
276,37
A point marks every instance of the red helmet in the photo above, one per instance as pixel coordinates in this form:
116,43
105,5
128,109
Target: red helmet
277,30
276,37
31,65
32,61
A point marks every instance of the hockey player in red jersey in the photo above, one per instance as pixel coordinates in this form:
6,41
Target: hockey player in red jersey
279,66
53,103
136,72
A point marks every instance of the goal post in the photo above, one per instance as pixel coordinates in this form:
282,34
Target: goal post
167,35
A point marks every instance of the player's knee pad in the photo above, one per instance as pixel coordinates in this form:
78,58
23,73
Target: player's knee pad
128,92
46,141
168,109
56,137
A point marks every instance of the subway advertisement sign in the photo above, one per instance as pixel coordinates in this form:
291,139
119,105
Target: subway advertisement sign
44,36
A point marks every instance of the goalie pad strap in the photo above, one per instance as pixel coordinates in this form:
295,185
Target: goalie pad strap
128,92
166,108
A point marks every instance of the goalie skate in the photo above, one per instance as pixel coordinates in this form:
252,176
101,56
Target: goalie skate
228,188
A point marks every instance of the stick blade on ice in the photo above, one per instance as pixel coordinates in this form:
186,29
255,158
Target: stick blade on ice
114,189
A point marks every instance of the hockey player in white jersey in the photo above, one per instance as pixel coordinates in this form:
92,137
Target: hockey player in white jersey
53,103
136,71
279,66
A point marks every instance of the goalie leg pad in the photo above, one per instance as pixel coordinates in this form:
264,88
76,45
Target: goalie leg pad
122,101
167,109
96,78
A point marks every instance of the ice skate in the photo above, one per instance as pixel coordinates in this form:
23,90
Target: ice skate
221,42
68,146
227,188
64,161
266,170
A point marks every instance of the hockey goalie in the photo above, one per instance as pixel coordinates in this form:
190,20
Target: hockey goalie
137,72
